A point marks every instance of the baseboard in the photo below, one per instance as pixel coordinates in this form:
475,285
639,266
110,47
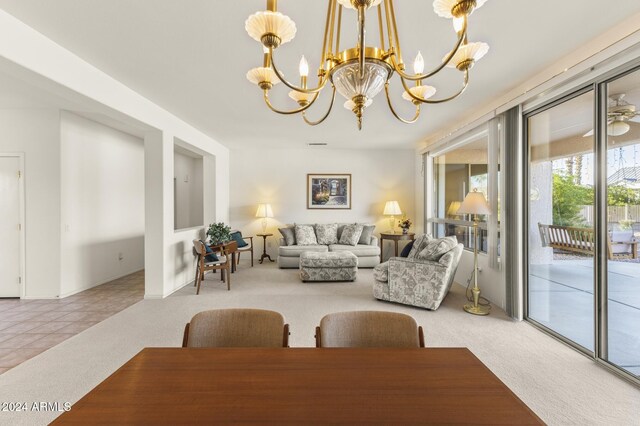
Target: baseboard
71,293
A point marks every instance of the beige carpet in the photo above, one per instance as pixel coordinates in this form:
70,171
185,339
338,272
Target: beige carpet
560,385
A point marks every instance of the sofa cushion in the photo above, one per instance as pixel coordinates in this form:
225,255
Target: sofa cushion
359,250
289,235
295,251
407,249
418,245
437,248
343,259
351,234
381,272
327,233
367,233
305,235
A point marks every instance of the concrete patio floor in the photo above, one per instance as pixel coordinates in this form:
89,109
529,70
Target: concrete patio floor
561,298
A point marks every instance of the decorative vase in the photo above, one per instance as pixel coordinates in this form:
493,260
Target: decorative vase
405,230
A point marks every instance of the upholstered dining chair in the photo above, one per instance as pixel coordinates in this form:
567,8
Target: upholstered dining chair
235,328
223,264
369,329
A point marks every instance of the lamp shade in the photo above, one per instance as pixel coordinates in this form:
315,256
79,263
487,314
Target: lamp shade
392,208
474,203
453,208
264,210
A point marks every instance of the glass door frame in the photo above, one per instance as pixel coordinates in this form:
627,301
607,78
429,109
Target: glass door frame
599,86
525,209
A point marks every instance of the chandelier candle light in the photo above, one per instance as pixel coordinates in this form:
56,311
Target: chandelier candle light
360,72
475,203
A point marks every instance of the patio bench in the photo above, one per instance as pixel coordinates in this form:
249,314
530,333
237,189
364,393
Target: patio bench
582,240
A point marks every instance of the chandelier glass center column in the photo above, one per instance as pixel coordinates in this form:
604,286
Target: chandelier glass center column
360,72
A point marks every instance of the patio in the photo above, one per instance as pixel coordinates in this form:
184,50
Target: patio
561,298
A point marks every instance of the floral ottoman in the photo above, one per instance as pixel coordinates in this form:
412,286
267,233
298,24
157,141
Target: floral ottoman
328,266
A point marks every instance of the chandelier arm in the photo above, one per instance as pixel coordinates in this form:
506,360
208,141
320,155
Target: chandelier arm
322,81
315,123
392,9
461,37
326,33
437,101
393,111
361,41
295,111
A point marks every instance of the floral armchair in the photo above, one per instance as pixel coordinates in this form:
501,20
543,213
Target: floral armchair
416,282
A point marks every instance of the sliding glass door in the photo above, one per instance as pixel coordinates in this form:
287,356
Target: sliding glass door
561,231
583,217
622,344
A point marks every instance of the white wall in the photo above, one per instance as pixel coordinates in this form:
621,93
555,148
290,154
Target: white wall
27,54
187,172
35,132
279,177
102,203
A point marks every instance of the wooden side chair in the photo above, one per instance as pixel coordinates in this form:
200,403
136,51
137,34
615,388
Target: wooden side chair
369,329
223,264
236,328
247,248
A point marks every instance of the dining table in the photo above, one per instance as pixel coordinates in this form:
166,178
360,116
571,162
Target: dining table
301,386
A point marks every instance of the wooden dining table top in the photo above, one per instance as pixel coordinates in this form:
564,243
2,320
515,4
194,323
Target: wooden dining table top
301,386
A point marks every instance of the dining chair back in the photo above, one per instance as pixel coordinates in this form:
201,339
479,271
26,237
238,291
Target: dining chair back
203,265
234,328
368,329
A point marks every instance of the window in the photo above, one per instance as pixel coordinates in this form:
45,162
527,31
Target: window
468,163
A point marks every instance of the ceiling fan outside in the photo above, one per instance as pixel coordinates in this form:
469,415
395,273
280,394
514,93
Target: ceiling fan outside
621,117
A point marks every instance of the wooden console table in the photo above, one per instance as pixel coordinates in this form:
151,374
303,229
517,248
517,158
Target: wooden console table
395,238
301,386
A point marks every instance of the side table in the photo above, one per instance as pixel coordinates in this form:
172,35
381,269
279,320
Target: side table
264,247
410,236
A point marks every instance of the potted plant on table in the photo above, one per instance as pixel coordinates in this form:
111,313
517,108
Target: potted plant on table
219,233
405,224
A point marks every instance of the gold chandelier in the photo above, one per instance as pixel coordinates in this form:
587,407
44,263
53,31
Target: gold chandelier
361,72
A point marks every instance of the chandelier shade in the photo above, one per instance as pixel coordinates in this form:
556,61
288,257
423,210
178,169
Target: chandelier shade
358,70
424,92
267,22
469,53
349,84
262,75
445,8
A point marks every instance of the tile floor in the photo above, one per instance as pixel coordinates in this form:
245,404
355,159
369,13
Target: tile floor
29,327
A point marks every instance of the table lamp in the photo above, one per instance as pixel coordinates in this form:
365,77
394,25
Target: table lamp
475,203
453,208
265,212
392,208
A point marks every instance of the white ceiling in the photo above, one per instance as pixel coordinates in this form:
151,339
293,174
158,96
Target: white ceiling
191,56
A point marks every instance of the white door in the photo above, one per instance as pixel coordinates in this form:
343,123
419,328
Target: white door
10,227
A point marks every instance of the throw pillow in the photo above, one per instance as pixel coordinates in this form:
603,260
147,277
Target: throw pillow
289,236
437,248
305,235
367,233
211,256
418,245
327,234
351,234
407,249
237,237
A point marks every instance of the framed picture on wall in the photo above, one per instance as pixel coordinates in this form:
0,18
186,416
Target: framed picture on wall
329,191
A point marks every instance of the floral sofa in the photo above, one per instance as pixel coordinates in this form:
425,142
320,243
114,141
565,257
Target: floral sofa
324,238
417,281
